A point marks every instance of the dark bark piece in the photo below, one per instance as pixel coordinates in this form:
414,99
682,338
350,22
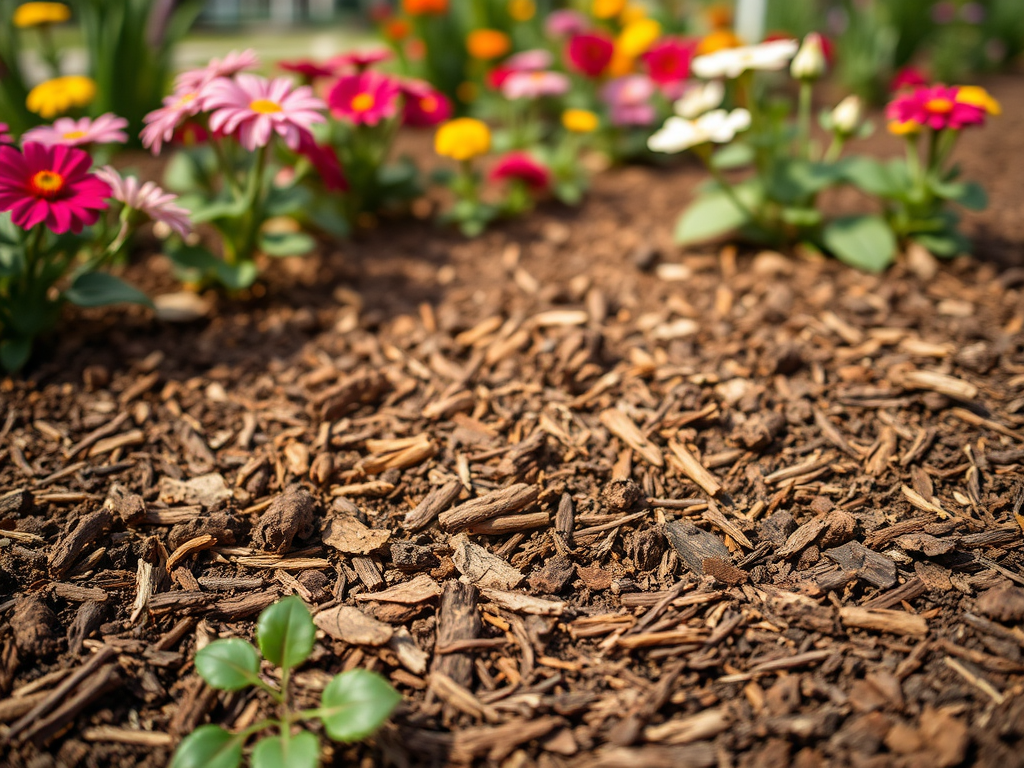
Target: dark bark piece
368,572
433,504
1005,604
802,537
870,566
35,627
289,516
925,544
493,504
15,503
361,388
725,571
694,545
128,506
68,548
621,495
220,525
554,576
458,620
778,527
87,620
409,557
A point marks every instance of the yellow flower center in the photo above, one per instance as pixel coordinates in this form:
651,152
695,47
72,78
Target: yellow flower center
265,106
428,104
74,135
185,99
362,102
941,106
46,183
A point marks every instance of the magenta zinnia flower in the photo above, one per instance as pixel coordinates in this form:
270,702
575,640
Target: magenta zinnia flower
359,60
105,129
534,85
253,108
629,100
147,198
908,77
50,185
161,123
424,105
936,107
308,69
364,99
232,64
589,53
668,60
325,160
522,167
565,22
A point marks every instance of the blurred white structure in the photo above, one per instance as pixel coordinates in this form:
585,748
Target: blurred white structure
750,16
278,11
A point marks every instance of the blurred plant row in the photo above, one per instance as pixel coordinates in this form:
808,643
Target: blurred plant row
524,101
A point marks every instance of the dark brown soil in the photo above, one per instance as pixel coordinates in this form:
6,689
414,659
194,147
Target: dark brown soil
626,506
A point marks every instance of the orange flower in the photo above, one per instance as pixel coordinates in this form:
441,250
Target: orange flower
423,7
487,44
397,29
718,41
719,16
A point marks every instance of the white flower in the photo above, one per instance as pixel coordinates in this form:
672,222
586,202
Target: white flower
717,126
809,62
733,62
847,114
699,99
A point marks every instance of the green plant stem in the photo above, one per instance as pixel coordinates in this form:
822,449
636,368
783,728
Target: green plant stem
254,199
804,119
835,149
286,715
704,153
49,50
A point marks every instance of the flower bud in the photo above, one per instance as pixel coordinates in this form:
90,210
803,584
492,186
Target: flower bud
847,115
809,62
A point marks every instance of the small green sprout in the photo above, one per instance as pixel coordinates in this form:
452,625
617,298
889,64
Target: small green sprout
354,704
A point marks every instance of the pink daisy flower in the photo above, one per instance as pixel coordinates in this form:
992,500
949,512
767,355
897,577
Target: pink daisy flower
565,22
519,166
629,100
529,61
936,107
147,198
233,63
51,185
105,129
359,60
364,99
668,60
254,108
424,105
5,136
161,123
534,85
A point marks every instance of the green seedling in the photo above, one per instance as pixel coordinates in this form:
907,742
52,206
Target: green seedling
354,704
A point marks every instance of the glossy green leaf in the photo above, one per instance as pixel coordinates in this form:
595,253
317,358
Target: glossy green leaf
300,751
712,215
228,665
209,746
945,245
286,633
870,175
14,353
97,289
801,217
288,201
967,193
356,703
281,244
865,242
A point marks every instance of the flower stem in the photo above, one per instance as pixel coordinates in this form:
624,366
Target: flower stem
804,118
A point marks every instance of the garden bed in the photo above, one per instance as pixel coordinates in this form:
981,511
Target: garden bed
751,509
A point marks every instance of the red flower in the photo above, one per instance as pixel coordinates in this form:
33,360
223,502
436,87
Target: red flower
50,185
359,60
668,60
908,77
325,160
425,106
589,53
497,77
521,167
365,98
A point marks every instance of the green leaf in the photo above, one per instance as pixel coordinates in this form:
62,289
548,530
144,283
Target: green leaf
870,176
237,277
97,289
735,155
286,633
14,353
945,245
712,215
300,751
288,201
280,244
801,217
209,746
356,703
865,242
228,665
219,209
794,181
969,194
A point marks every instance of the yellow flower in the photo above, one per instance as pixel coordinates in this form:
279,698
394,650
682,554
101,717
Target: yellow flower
719,17
522,10
60,95
487,44
621,64
903,127
637,37
607,9
580,120
718,41
631,13
462,139
977,96
38,14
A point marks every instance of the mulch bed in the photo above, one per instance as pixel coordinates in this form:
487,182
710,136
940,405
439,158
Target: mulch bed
584,499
